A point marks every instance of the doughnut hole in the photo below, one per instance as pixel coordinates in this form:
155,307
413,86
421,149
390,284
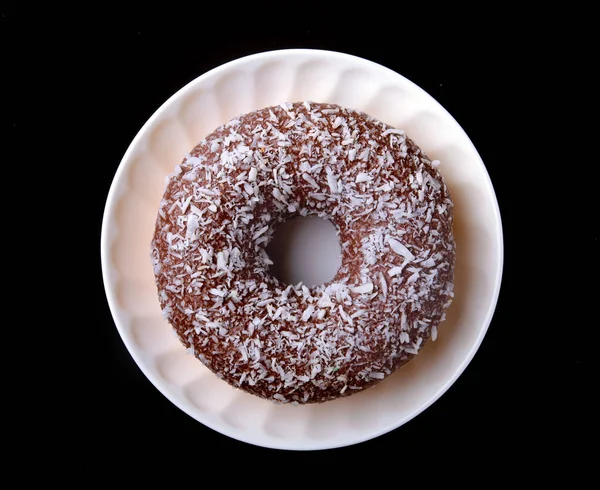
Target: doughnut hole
305,249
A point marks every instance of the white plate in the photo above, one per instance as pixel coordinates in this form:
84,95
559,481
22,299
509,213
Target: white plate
251,83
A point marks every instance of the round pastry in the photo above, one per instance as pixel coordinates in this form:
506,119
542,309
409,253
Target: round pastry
285,342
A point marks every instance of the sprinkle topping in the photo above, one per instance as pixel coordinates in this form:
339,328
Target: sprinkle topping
290,343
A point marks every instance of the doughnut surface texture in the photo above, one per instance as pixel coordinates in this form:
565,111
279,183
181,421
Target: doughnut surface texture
291,343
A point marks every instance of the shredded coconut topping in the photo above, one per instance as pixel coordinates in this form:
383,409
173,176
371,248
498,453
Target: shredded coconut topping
290,343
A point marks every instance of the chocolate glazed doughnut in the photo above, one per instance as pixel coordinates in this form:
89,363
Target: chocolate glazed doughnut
291,343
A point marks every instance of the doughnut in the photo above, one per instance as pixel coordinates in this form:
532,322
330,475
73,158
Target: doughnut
289,343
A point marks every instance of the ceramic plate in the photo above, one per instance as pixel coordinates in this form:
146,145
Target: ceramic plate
251,83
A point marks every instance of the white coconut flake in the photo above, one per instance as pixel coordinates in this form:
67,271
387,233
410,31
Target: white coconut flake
252,174
196,210
428,263
347,318
186,203
192,226
307,313
413,278
221,261
260,232
332,181
419,177
392,131
363,288
278,313
363,177
383,283
243,351
280,397
394,271
310,180
400,249
278,195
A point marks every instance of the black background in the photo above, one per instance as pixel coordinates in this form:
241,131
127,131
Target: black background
518,405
